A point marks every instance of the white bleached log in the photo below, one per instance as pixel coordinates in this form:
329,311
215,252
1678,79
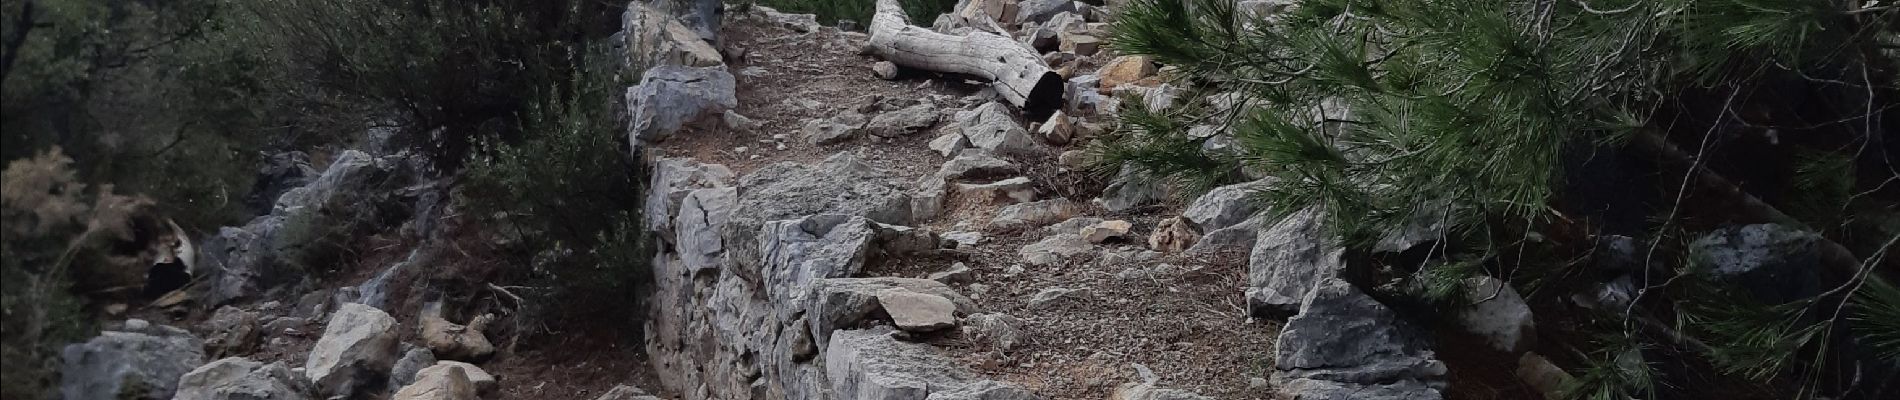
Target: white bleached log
1015,70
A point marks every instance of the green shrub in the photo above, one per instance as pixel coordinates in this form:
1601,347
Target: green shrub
573,192
1480,115
54,231
140,95
448,73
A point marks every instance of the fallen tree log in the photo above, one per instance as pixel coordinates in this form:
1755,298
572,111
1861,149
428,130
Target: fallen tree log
1015,70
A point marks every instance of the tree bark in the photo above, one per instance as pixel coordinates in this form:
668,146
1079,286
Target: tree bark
1016,71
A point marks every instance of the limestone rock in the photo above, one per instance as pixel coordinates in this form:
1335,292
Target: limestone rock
957,273
1058,130
703,16
917,312
983,12
1125,70
1000,331
1106,230
439,383
803,23
1049,296
625,392
828,131
1033,214
672,180
841,184
1148,391
1173,235
842,302
659,39
1072,225
1773,263
884,70
1239,237
451,341
483,381
1056,248
413,360
1288,258
232,331
1498,314
305,223
359,343
1343,339
1086,96
1225,206
904,122
1540,374
701,221
1042,10
280,173
671,96
739,122
949,143
1007,191
927,200
1080,44
237,378
138,361
991,127
1131,188
1320,389
975,164
870,365
964,238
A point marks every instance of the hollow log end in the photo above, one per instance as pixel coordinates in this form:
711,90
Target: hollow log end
1045,98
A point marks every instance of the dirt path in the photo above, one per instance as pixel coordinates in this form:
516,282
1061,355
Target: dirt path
1184,322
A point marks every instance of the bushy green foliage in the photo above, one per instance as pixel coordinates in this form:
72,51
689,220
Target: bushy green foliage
1472,113
921,12
49,221
448,73
1876,317
573,192
139,95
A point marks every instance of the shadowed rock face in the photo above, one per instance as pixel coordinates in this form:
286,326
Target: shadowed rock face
138,361
1345,345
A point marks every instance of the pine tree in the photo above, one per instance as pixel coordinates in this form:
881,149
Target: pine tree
1472,115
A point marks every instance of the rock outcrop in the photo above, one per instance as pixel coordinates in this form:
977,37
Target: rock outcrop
137,361
357,349
1346,345
1498,314
1775,264
1288,259
305,224
1224,206
670,96
237,378
452,383
653,36
870,365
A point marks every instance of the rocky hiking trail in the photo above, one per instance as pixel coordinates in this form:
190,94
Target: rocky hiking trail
1063,316
827,225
